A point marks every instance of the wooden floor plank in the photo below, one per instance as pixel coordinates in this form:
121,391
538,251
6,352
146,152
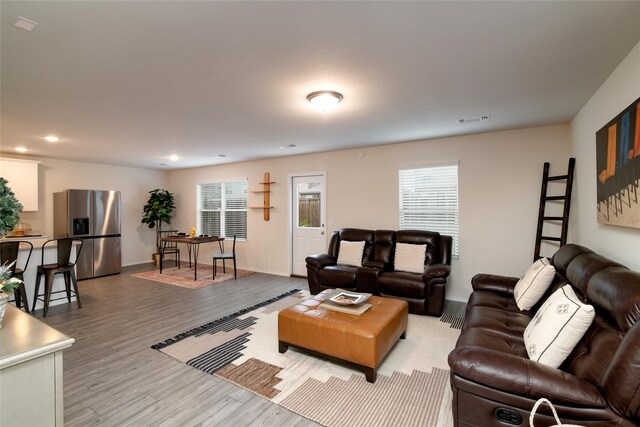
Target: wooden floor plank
113,378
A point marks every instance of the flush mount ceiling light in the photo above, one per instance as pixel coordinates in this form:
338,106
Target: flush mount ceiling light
52,138
324,100
174,158
22,149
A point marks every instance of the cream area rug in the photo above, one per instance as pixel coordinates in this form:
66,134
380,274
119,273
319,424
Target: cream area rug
183,276
412,387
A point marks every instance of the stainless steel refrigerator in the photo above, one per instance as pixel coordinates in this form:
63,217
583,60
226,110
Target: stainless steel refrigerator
94,217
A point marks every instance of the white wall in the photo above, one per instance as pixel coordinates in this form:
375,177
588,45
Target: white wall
622,244
138,242
499,189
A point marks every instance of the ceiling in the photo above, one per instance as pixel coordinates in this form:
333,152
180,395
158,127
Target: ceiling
132,83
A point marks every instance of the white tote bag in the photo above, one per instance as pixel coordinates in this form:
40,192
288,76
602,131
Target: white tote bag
555,414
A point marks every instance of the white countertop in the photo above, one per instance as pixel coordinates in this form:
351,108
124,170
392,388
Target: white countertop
23,337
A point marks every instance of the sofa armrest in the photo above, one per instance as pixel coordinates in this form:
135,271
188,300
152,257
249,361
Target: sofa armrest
523,377
436,271
320,260
494,282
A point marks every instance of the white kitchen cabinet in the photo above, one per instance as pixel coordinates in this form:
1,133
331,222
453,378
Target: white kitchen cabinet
31,363
23,180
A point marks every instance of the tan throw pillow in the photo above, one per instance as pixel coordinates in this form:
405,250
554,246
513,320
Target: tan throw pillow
409,258
350,253
534,284
557,327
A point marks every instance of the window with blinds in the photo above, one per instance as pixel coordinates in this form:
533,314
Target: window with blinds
222,209
429,201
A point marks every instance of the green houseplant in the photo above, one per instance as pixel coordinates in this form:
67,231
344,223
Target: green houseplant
7,285
10,208
159,209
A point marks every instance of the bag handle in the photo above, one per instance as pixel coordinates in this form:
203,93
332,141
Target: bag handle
535,408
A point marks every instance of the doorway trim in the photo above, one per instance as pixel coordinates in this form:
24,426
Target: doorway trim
290,178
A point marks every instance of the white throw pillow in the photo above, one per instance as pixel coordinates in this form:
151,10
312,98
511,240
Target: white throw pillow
533,285
557,327
351,253
410,258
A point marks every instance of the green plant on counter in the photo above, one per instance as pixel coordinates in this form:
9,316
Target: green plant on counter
10,208
8,283
159,209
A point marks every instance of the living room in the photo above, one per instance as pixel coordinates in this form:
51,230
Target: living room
499,171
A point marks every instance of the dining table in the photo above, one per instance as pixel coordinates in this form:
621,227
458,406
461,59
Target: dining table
193,247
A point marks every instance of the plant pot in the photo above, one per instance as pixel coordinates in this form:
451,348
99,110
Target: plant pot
4,298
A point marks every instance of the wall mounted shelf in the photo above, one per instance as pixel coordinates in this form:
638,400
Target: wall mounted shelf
266,195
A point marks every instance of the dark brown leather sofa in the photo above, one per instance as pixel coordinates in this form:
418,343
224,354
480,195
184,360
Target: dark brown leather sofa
425,293
493,380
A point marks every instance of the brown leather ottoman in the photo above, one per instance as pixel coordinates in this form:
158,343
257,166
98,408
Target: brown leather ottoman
363,340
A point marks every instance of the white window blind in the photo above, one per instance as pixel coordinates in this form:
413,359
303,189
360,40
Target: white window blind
222,209
429,201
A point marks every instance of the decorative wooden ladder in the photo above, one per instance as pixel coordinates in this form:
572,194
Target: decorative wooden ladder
544,198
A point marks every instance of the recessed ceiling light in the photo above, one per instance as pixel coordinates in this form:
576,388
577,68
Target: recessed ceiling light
22,149
324,100
25,24
285,147
219,156
162,164
174,158
52,138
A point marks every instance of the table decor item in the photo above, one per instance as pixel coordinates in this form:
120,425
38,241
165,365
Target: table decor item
7,285
343,297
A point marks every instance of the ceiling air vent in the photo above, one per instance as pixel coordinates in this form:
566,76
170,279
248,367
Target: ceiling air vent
474,119
25,24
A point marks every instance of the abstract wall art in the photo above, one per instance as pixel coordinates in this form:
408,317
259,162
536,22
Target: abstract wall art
618,169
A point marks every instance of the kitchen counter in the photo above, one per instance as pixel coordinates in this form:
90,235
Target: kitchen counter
31,388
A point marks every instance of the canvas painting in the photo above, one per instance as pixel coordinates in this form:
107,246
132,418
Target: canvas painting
618,169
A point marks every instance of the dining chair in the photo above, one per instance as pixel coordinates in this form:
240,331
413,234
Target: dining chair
224,257
9,254
169,248
64,266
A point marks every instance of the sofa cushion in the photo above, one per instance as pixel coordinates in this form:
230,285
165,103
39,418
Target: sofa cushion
338,276
557,327
409,285
492,299
533,284
498,321
409,258
481,338
350,253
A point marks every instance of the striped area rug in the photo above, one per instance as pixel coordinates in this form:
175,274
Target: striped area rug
412,383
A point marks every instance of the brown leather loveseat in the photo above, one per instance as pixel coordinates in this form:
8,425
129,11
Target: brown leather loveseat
494,383
425,292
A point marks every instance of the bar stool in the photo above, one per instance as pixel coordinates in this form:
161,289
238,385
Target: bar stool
9,254
64,266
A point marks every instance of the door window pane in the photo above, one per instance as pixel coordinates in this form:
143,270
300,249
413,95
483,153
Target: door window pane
309,201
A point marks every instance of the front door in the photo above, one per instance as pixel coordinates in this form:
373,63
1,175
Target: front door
308,218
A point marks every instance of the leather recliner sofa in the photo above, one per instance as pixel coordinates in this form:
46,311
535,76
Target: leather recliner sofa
494,383
425,293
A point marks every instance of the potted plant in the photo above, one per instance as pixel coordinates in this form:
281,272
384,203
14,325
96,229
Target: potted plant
7,285
158,209
10,208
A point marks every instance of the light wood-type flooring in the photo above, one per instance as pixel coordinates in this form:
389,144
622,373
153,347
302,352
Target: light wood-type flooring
113,378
